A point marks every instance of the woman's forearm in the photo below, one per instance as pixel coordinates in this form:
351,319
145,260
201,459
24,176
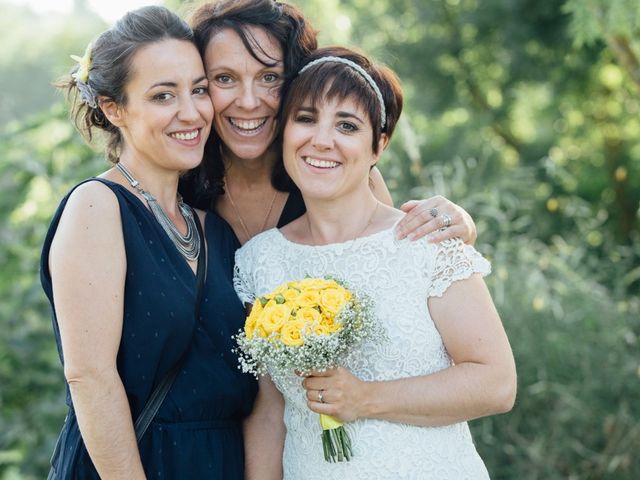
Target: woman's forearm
458,393
264,433
104,418
482,379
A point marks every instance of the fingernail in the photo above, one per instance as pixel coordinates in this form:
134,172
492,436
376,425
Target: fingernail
412,236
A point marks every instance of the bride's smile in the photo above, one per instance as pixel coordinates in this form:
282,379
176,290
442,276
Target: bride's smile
328,147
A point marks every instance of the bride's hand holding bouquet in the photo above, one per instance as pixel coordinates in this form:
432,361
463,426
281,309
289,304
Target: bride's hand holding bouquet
336,392
308,327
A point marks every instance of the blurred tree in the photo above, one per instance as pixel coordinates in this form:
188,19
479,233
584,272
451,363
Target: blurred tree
41,159
35,51
503,81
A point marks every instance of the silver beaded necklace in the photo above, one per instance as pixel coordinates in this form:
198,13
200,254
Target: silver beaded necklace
189,244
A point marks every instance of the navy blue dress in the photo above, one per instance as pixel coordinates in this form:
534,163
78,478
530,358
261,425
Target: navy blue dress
191,193
197,433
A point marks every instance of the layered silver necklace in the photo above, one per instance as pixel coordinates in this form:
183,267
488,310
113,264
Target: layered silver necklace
189,244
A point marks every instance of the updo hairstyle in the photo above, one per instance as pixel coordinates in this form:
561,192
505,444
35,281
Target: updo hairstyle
110,66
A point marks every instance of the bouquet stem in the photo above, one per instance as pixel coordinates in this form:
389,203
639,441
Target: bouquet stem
336,443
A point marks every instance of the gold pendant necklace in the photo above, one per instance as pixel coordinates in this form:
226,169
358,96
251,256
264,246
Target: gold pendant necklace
237,212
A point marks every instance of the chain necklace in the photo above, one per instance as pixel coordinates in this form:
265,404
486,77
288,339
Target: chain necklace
375,210
189,244
227,190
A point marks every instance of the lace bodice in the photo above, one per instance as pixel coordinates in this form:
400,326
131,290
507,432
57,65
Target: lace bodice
399,276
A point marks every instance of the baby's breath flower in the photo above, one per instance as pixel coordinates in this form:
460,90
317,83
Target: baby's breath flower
312,339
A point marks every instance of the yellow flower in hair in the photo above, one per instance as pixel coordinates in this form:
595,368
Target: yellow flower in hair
84,64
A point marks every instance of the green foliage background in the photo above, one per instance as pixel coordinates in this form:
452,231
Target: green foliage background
526,113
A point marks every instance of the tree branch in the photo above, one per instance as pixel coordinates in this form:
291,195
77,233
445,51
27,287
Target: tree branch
477,95
625,55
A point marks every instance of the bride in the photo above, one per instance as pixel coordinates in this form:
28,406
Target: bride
447,358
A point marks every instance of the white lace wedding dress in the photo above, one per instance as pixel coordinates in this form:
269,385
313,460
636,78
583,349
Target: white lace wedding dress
399,276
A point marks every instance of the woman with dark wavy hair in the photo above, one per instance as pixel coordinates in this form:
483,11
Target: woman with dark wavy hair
250,48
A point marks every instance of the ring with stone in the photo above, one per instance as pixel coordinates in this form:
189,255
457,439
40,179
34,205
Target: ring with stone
434,212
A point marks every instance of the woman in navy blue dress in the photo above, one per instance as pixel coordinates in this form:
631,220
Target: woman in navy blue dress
119,268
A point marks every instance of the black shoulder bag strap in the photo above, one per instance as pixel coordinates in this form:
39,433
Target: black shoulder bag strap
160,392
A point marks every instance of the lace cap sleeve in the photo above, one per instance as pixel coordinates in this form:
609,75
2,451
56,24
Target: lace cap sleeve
242,275
451,261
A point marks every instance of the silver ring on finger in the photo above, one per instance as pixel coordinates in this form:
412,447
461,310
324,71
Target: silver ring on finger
446,220
434,212
320,399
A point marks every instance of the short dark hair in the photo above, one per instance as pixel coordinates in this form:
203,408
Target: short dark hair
331,80
295,35
110,70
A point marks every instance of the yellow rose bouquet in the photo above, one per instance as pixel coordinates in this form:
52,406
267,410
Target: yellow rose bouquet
307,325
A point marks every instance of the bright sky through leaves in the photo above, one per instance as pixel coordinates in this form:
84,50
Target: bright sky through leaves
110,10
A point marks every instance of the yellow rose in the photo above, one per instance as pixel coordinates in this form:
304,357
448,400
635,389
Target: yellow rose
256,330
250,323
259,331
304,283
291,333
327,319
314,283
290,295
320,329
249,327
273,317
256,308
333,299
280,289
329,324
309,316
308,298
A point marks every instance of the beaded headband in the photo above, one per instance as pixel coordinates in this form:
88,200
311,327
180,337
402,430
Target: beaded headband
361,71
